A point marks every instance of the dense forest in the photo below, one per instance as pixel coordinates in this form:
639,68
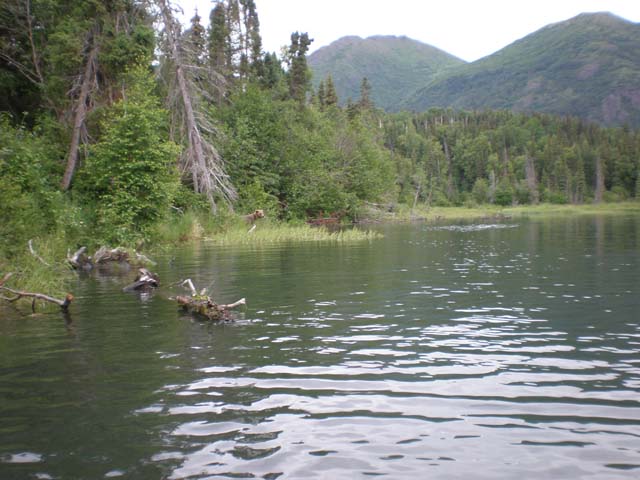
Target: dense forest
114,118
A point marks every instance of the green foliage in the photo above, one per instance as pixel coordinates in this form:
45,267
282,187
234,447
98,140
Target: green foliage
254,197
481,191
504,193
131,169
26,167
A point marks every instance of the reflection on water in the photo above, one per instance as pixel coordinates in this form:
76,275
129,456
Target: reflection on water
487,351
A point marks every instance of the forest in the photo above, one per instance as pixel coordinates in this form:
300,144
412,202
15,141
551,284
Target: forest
115,119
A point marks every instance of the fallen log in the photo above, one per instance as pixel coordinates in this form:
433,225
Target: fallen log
144,281
105,255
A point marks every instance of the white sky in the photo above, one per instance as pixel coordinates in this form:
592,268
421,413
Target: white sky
469,29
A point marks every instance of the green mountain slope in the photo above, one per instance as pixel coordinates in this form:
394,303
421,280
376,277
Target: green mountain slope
394,66
588,66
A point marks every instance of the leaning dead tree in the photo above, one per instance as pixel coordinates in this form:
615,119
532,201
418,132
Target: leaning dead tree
189,93
85,85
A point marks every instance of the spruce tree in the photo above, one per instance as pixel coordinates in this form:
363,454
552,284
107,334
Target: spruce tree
195,42
218,40
365,102
298,71
330,97
321,95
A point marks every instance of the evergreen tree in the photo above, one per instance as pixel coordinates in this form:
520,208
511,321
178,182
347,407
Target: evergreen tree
322,98
298,74
195,42
580,182
330,97
217,42
365,102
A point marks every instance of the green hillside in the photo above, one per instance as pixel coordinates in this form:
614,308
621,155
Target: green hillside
394,66
588,66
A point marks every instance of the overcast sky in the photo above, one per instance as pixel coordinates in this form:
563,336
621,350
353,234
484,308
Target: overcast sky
468,29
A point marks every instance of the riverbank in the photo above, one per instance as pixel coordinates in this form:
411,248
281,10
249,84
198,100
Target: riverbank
46,269
422,213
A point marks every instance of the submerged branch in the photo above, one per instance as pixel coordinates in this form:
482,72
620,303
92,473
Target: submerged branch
63,304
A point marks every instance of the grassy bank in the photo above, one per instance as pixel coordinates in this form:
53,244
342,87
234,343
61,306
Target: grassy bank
230,230
422,213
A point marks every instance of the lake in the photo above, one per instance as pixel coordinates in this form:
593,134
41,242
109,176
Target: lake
480,350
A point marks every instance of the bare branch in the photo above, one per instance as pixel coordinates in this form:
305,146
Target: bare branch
35,254
63,304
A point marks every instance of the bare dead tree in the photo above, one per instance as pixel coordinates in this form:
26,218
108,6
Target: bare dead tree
530,174
80,112
189,93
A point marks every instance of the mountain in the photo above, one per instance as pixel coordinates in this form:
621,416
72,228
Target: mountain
394,66
588,66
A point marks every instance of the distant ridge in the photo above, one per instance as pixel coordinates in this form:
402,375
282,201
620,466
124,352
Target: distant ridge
587,66
393,65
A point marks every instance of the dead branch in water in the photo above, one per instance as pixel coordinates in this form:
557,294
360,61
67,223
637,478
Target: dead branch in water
145,280
203,305
18,294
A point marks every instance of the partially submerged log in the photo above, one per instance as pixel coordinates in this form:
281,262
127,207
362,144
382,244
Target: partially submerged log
203,305
105,256
18,294
207,307
145,281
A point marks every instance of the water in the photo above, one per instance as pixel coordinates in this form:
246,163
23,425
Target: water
465,351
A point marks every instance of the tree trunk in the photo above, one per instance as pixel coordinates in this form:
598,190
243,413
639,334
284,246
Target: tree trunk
78,122
532,181
447,155
599,193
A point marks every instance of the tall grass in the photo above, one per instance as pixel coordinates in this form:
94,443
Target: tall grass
48,274
274,233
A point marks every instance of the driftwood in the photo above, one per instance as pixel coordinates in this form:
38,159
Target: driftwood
79,260
63,304
105,255
145,281
201,304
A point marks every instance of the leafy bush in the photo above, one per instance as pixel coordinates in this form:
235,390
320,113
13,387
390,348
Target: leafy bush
131,169
480,191
522,192
504,193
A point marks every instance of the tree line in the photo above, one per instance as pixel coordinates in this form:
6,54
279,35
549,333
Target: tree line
114,117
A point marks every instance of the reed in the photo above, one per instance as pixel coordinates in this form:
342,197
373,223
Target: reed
274,233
